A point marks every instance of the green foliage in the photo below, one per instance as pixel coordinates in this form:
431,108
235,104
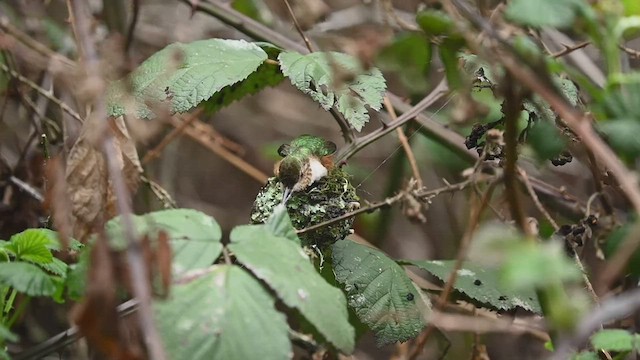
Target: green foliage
586,355
409,56
193,235
435,22
380,292
295,281
546,140
181,76
615,340
531,265
26,278
213,313
480,285
541,13
266,75
336,79
29,265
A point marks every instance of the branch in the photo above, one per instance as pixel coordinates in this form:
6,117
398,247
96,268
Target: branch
78,13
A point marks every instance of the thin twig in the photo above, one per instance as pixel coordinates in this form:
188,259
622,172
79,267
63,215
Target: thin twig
201,133
132,25
422,194
570,49
33,44
48,94
405,144
298,27
630,51
156,151
78,13
525,179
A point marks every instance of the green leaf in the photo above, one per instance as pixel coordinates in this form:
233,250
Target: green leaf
536,265
222,313
380,292
181,76
279,224
480,285
546,140
31,245
622,134
56,267
435,22
7,335
26,278
542,13
586,355
410,57
321,75
285,267
267,75
614,340
193,235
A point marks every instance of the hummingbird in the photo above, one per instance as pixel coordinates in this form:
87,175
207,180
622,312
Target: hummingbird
305,160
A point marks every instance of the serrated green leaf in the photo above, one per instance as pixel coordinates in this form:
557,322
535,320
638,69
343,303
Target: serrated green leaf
56,267
380,292
285,267
480,285
31,245
266,75
181,76
316,74
193,235
614,340
541,13
26,278
214,314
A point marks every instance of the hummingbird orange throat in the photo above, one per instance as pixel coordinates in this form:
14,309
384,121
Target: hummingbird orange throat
306,160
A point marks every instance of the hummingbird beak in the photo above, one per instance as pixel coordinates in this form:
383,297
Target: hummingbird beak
286,195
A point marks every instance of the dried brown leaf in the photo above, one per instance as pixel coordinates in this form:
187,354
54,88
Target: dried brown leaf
88,185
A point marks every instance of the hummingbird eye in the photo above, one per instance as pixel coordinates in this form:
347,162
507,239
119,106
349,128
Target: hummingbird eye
283,150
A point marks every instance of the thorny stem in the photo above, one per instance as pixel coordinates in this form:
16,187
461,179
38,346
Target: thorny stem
78,13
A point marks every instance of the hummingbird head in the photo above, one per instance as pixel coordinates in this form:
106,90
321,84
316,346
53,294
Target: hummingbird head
289,171
305,160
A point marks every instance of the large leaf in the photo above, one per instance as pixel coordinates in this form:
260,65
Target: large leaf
380,291
284,266
194,236
31,245
181,76
266,75
222,313
336,79
480,285
26,278
541,13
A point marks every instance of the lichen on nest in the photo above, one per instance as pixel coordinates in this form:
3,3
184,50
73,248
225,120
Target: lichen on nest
328,198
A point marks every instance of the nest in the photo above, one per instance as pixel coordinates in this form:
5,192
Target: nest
328,198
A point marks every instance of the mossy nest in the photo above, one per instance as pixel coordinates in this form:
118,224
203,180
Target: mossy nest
328,198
